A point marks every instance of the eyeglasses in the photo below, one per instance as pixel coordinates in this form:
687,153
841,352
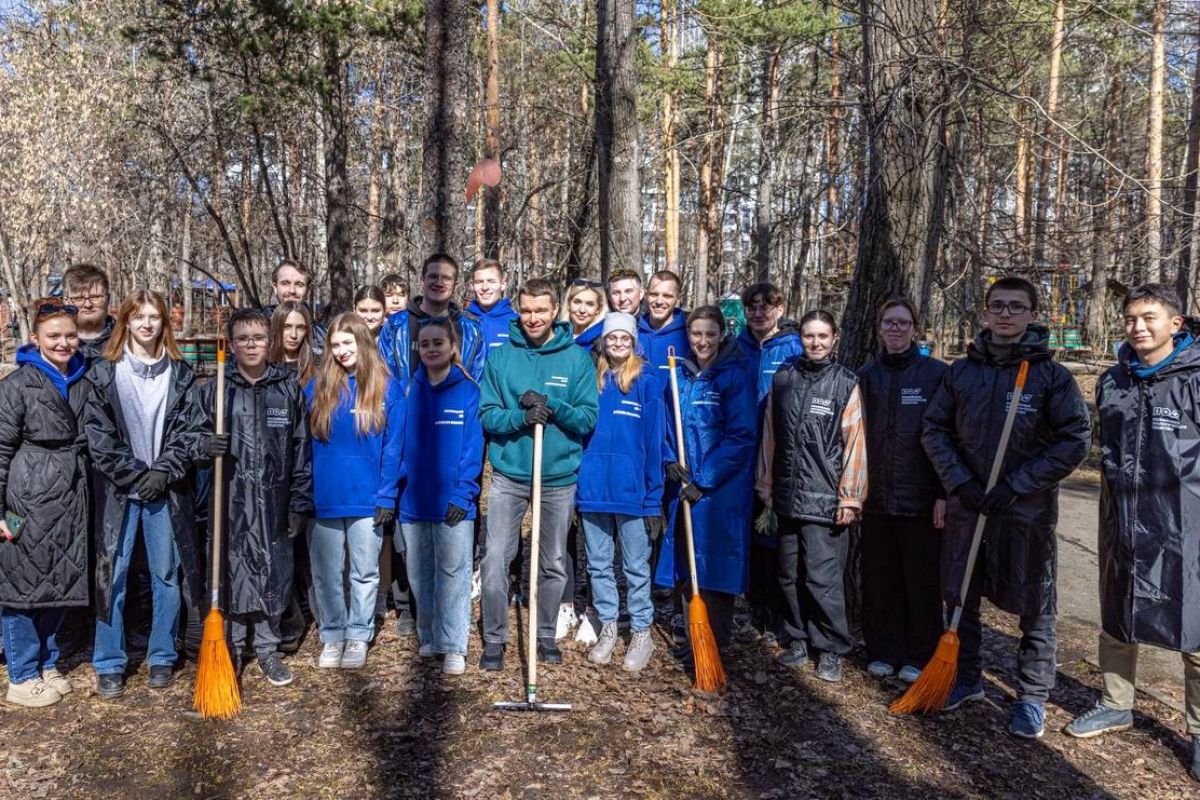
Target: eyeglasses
246,341
588,283
1014,309
57,308
896,324
83,299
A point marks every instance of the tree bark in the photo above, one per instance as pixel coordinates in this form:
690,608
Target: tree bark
185,272
491,195
1103,219
336,118
670,122
763,216
1155,267
709,245
1043,177
832,238
1183,277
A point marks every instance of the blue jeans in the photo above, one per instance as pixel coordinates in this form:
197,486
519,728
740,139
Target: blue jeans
31,641
439,573
599,530
162,557
330,541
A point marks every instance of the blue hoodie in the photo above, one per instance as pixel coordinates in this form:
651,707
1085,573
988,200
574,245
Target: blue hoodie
622,467
590,334
494,322
443,447
654,343
352,474
76,367
767,357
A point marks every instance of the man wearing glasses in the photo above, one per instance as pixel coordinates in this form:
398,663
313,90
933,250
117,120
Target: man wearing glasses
85,286
1016,565
398,338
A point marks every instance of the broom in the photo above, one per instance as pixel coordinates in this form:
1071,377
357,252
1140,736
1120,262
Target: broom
710,675
217,692
931,690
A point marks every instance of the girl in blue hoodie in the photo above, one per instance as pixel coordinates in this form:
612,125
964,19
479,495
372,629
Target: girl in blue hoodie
620,488
443,457
356,418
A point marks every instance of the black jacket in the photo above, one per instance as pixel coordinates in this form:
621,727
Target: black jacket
114,470
1050,438
807,401
93,349
896,390
43,477
1150,502
268,475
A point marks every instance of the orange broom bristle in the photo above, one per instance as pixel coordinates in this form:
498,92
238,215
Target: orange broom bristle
710,675
930,691
217,693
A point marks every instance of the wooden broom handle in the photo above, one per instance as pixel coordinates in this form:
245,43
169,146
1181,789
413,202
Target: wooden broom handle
687,507
993,478
535,532
217,517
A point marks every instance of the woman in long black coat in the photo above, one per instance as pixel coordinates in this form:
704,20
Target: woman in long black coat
43,502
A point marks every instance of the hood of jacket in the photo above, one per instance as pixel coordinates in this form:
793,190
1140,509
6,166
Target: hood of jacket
453,378
560,339
677,322
273,374
788,330
731,355
76,366
1185,356
503,308
453,310
1034,346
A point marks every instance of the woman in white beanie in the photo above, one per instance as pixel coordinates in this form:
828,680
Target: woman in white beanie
620,488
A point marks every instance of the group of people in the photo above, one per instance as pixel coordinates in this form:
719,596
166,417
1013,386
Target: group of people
377,425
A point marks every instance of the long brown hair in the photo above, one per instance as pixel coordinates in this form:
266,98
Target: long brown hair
332,383
130,306
306,364
451,330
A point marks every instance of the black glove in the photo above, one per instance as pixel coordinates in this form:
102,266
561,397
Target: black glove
999,498
970,494
455,514
691,493
151,485
531,399
654,526
217,445
678,472
537,415
296,524
384,516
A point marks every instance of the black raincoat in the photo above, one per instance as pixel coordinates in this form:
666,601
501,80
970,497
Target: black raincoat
269,474
1150,502
1050,438
43,478
114,470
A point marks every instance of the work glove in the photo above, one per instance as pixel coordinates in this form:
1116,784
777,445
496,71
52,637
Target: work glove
691,493
537,415
296,524
654,526
217,445
531,399
151,485
999,498
970,494
678,472
384,516
455,514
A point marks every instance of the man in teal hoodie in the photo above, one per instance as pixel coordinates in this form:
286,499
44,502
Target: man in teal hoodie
539,377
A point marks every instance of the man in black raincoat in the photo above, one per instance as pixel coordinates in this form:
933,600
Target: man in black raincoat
1149,408
268,488
1016,565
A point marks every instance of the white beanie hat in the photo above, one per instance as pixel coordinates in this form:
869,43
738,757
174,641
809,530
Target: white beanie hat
620,321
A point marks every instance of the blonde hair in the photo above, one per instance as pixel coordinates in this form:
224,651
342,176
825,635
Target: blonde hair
131,305
332,382
625,375
564,314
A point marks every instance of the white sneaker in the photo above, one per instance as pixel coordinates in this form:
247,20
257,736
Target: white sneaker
909,673
355,654
331,655
476,585
566,621
454,664
57,681
589,628
426,651
33,693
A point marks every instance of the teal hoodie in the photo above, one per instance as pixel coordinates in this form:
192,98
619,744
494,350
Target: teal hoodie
564,373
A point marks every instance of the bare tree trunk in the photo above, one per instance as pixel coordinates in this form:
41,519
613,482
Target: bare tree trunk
448,29
763,218
709,246
1154,158
670,115
375,167
1104,218
831,236
1043,177
185,272
1183,278
337,109
491,195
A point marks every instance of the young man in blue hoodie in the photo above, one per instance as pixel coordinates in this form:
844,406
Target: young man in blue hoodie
489,281
664,325
541,377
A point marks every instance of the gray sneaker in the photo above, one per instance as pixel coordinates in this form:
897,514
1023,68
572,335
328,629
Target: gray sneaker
274,670
602,652
355,654
637,655
1099,719
405,624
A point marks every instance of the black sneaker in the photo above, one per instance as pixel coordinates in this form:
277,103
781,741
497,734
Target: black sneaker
1195,771
161,676
492,659
110,686
795,656
829,667
274,670
548,652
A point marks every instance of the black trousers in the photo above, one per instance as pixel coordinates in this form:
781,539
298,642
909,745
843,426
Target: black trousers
901,588
812,565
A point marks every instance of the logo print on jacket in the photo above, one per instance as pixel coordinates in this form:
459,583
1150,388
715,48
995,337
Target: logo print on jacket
912,396
821,406
1166,419
278,418
452,416
629,408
